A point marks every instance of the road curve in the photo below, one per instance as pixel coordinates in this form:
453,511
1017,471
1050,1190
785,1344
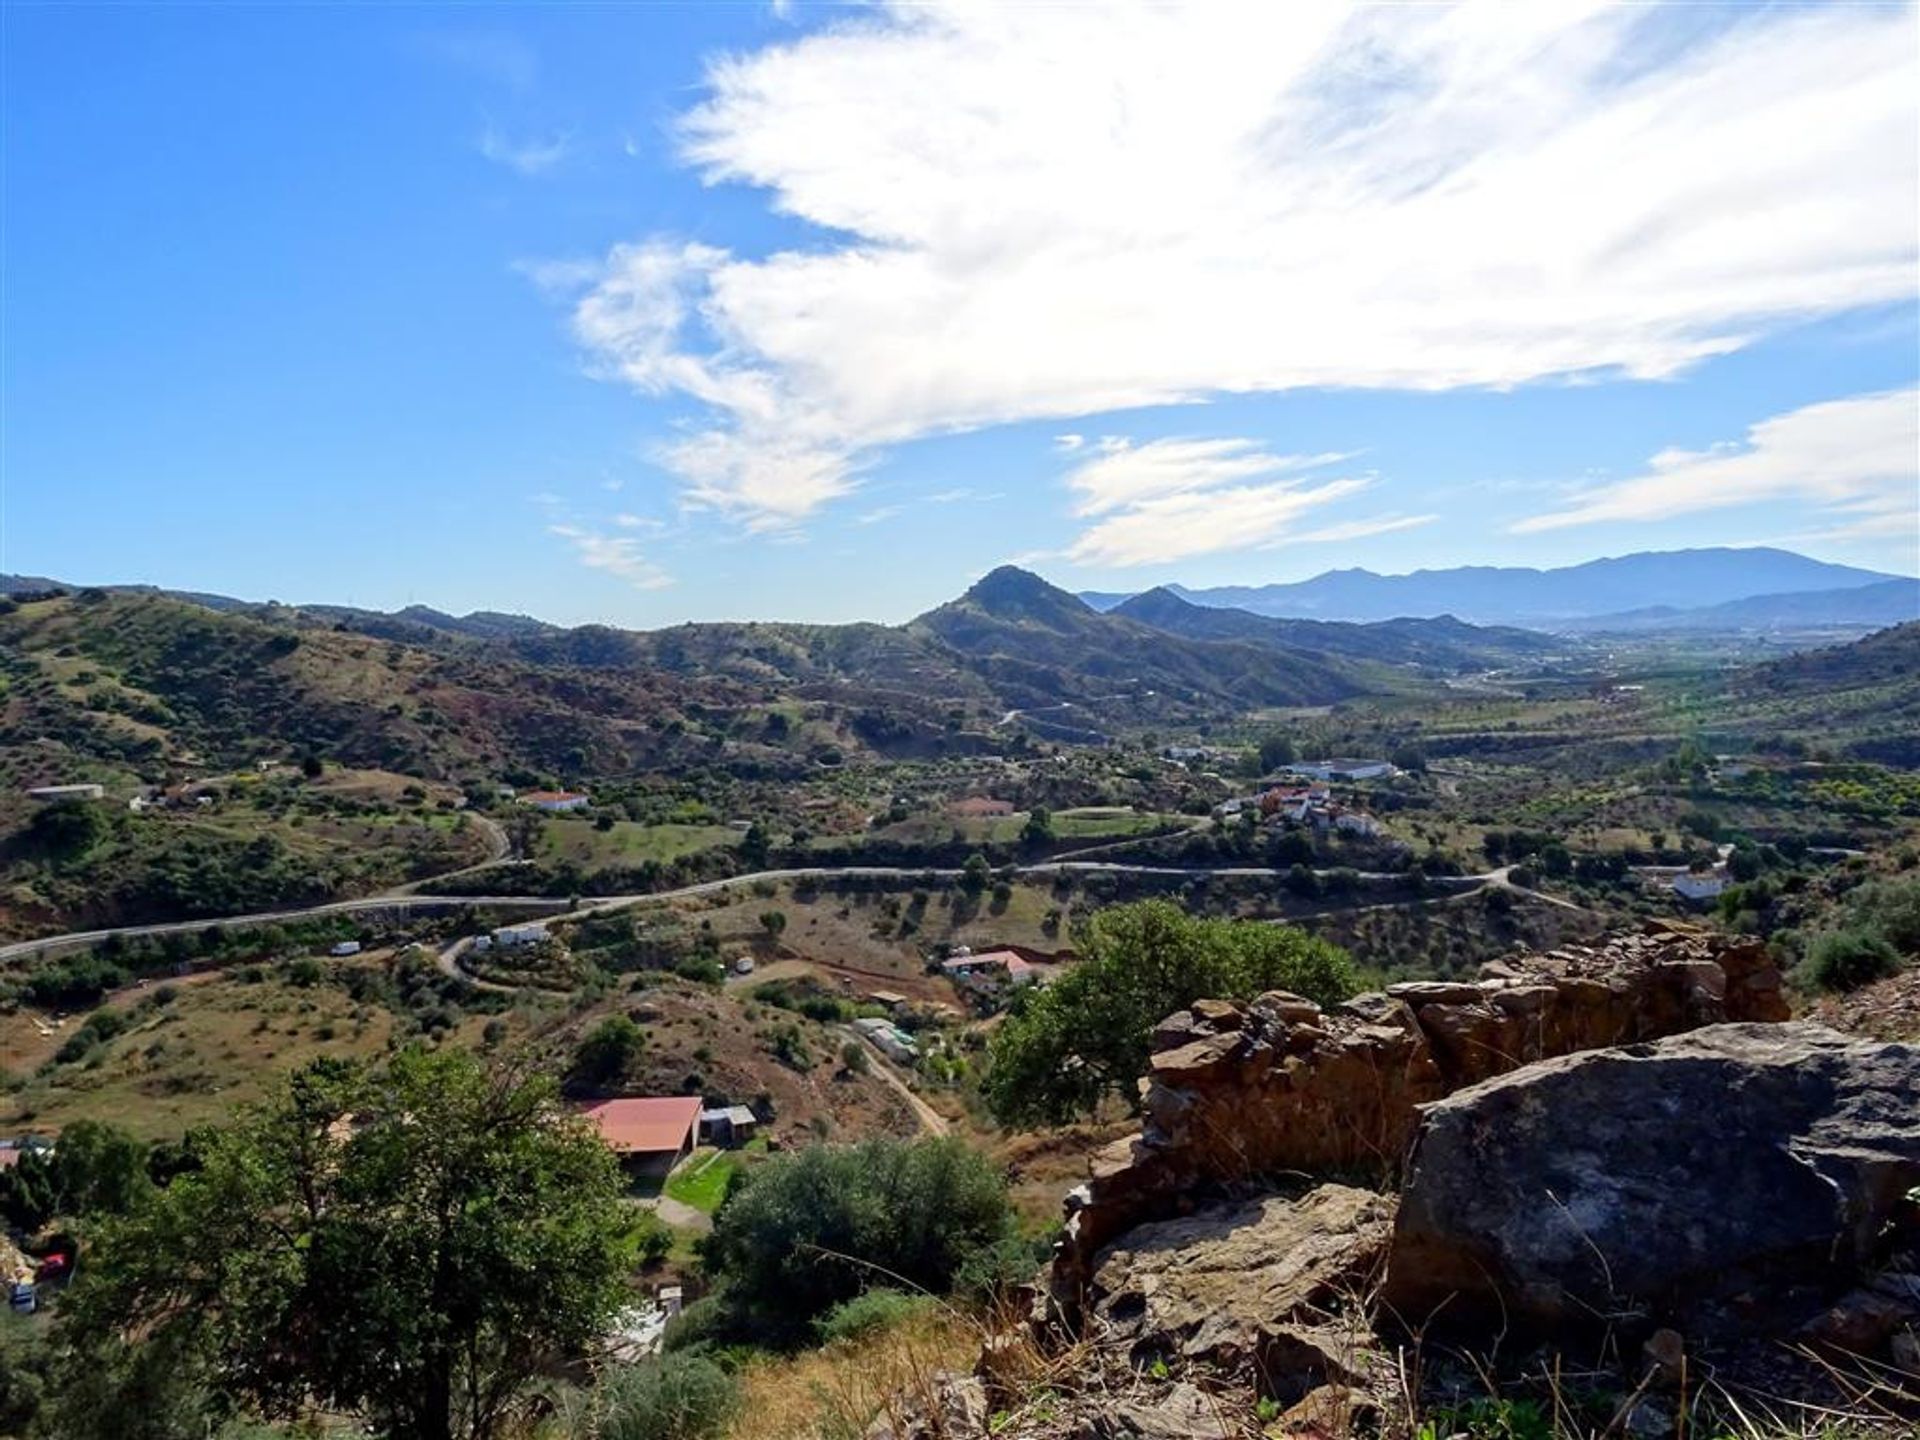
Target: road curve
549,908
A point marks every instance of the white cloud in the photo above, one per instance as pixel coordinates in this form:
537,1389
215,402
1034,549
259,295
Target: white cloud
1857,459
526,157
1069,442
616,554
1171,499
1125,474
1061,211
1361,529
879,513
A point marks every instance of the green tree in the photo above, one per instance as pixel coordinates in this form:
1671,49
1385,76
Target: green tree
774,922
975,874
1066,1048
65,834
1275,751
810,1229
1039,827
96,1170
412,1246
609,1051
755,846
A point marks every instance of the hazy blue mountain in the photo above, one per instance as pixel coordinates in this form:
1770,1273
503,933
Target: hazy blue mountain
1682,579
1869,607
1442,642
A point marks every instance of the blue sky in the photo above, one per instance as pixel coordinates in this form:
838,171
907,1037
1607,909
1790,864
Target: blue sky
652,313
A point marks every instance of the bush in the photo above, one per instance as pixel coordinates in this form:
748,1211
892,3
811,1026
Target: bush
1068,1047
609,1050
1847,959
675,1397
807,1231
875,1310
1889,909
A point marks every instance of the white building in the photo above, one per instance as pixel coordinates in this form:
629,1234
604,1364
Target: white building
556,802
888,1039
1343,768
345,948
65,794
510,937
1699,885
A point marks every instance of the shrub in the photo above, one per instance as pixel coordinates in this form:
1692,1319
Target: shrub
875,1310
810,1230
1847,959
609,1050
675,1397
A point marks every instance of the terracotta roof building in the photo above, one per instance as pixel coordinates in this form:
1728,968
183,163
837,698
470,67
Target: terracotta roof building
650,1133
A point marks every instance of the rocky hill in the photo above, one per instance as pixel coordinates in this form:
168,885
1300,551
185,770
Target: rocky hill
1617,1160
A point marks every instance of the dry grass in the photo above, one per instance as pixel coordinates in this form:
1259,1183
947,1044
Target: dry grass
834,1392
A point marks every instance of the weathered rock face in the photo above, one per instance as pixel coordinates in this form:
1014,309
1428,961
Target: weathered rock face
1730,1180
1281,1086
1253,1287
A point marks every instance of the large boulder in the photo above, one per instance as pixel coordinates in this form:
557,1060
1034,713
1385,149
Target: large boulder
1729,1180
1261,1287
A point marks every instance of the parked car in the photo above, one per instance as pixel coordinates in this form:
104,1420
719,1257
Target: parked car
743,966
24,1297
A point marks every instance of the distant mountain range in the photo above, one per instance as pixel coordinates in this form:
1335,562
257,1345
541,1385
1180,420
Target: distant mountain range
1865,607
518,690
1646,590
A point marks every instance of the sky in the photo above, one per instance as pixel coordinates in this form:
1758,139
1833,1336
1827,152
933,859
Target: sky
642,314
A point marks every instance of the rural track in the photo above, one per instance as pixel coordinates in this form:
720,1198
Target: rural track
931,1120
545,909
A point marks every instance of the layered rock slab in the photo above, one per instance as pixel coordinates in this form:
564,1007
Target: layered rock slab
1262,1287
1730,1180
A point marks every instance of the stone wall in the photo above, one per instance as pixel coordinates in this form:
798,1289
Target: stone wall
1280,1087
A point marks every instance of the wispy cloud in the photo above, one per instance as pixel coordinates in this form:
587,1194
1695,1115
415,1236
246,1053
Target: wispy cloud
1173,499
525,157
1361,529
1856,459
1054,212
616,554
880,513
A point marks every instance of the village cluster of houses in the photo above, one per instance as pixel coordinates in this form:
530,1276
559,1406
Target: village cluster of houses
989,972
1306,806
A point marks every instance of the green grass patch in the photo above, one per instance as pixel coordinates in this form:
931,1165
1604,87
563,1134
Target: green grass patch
702,1181
628,842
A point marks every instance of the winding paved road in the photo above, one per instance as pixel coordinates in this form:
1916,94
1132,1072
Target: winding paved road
544,909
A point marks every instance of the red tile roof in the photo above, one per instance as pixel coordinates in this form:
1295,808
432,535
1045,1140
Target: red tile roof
646,1126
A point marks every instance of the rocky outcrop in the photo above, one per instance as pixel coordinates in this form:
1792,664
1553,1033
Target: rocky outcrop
1280,1086
1731,1181
1255,1288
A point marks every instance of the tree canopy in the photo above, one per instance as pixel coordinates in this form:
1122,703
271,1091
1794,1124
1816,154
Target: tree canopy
1069,1046
410,1245
810,1229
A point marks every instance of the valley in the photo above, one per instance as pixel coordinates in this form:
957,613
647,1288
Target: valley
837,876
